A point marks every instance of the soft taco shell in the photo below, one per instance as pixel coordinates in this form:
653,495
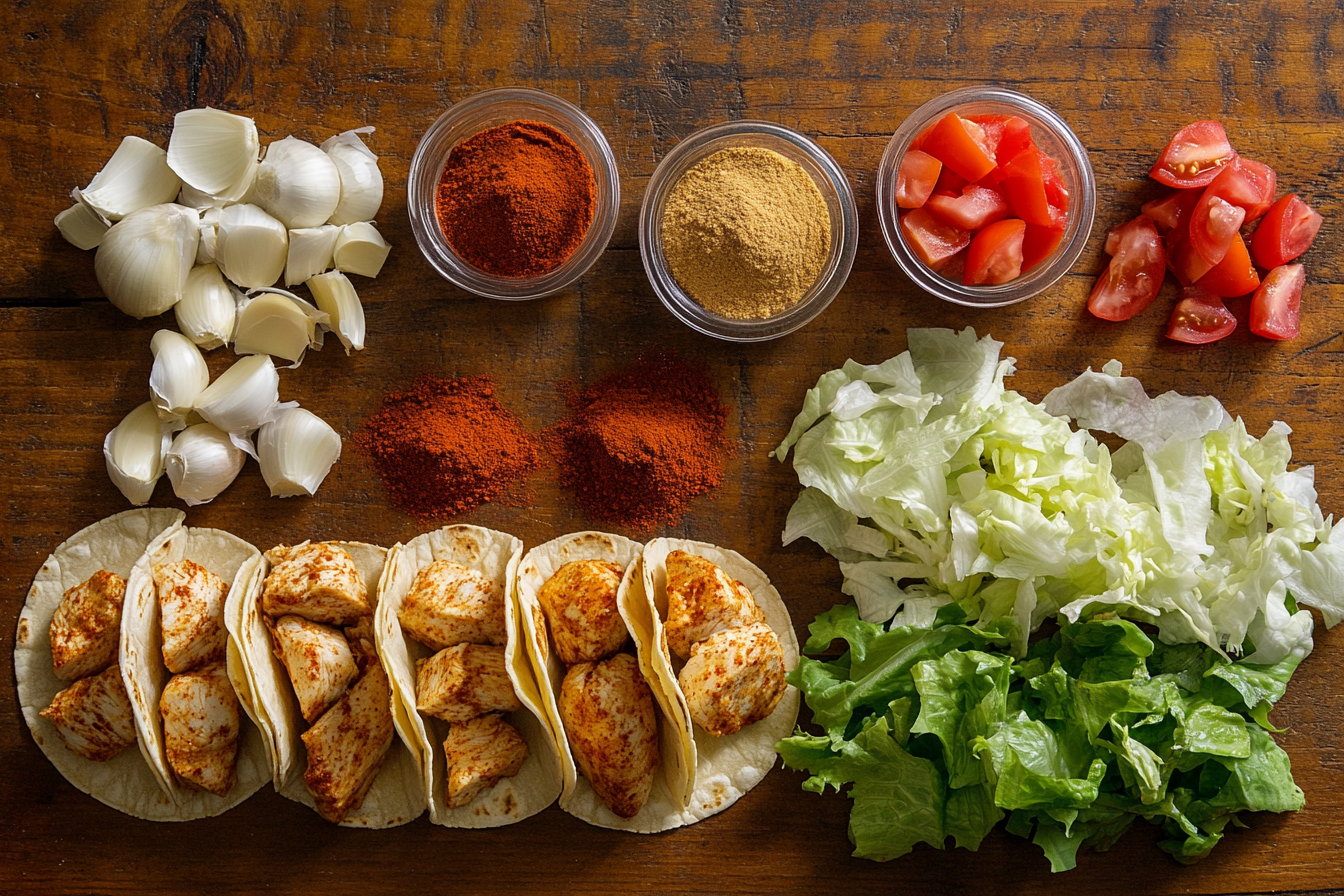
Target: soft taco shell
126,782
495,555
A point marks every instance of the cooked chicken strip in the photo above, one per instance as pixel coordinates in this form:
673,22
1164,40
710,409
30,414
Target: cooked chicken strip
701,600
200,728
191,609
317,581
734,678
462,682
318,661
481,753
86,626
450,604
580,605
363,643
347,746
93,716
607,710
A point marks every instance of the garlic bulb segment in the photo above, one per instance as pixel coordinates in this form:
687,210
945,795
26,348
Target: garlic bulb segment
209,227
214,152
360,249
178,377
208,309
296,451
137,176
243,397
81,226
194,198
143,260
336,295
273,324
251,246
134,452
297,183
361,181
310,251
201,463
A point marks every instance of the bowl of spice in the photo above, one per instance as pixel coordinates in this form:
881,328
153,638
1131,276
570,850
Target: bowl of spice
748,230
513,193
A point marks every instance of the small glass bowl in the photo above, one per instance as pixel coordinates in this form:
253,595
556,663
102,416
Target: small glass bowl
1054,138
473,115
831,182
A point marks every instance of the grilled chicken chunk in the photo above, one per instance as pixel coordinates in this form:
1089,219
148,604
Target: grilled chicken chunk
200,728
734,678
450,604
86,626
580,604
93,716
462,682
315,580
318,660
701,600
347,745
607,710
191,609
362,641
481,752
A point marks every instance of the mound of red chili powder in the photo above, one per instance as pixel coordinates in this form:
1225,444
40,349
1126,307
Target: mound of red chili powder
638,445
446,446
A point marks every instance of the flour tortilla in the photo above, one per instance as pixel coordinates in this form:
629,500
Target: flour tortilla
495,555
126,782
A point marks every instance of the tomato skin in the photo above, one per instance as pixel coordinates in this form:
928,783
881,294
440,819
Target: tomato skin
1039,243
1200,317
1015,138
916,178
1288,230
995,255
1055,192
1234,275
1183,261
950,183
932,241
976,207
954,144
1133,277
1250,185
1194,156
1276,308
1171,211
1213,223
1023,184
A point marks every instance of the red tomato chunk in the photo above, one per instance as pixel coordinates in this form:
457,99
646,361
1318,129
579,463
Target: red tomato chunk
1276,307
1287,231
1194,156
1135,273
916,179
995,255
930,239
1200,317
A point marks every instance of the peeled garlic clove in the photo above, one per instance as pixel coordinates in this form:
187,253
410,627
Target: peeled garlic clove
178,377
297,183
209,228
361,181
243,397
194,198
279,325
296,451
137,176
360,249
251,246
310,251
143,260
202,462
134,452
81,226
336,295
214,152
208,310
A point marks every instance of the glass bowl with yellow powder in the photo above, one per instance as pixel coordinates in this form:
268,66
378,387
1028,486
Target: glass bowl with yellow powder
748,230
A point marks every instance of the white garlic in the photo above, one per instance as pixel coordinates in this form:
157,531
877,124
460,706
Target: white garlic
81,226
251,246
296,451
336,295
243,397
277,323
143,260
297,183
209,228
202,462
361,181
360,249
310,252
214,152
137,176
179,375
208,309
134,452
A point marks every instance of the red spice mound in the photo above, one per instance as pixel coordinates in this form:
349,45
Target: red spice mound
446,446
638,445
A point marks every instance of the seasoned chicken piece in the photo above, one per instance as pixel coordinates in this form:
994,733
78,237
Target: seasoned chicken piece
734,678
315,580
362,642
318,661
607,710
347,746
580,604
462,682
450,604
191,609
481,752
200,728
86,626
702,600
93,716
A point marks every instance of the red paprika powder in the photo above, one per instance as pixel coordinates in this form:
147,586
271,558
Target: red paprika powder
516,200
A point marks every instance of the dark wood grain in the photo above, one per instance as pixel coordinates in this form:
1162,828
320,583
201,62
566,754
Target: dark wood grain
77,76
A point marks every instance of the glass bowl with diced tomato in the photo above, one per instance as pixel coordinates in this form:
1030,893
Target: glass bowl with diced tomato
985,197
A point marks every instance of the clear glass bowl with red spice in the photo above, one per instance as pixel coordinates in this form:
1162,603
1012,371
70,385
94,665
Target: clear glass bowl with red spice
470,117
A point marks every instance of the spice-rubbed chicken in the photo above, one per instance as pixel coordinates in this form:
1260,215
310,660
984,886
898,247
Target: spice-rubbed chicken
86,626
348,744
734,678
481,752
449,604
701,600
579,601
462,682
200,728
318,660
93,716
191,610
315,580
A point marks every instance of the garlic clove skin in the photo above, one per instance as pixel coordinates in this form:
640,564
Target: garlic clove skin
335,294
361,181
297,183
251,246
209,228
178,377
277,324
201,463
194,198
137,176
143,260
360,249
208,310
134,453
214,152
81,226
310,252
296,451
243,397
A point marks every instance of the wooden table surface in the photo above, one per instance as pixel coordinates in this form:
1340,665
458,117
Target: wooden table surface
76,76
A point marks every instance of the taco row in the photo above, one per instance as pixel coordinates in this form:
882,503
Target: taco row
641,685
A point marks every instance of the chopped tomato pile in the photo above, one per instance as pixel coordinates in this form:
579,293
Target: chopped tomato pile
980,184
1196,232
